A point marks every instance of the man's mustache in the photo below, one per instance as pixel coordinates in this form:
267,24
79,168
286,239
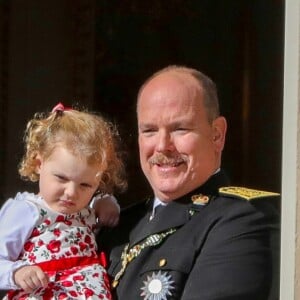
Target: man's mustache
162,159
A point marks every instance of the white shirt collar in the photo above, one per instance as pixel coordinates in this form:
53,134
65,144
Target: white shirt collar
158,202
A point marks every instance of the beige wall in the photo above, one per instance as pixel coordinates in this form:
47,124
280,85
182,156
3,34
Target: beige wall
290,243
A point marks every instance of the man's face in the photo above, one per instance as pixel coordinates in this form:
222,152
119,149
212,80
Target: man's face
179,148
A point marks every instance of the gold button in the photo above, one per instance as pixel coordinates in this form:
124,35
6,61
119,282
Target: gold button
162,262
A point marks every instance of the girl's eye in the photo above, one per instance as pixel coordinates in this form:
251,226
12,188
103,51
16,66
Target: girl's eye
60,177
85,185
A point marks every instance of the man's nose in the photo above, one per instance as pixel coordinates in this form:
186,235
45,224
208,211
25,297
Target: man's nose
164,142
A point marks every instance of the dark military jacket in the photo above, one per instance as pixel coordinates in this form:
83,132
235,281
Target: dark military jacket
210,244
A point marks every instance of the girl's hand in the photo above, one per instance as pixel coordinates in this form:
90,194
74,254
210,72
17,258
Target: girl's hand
107,210
29,278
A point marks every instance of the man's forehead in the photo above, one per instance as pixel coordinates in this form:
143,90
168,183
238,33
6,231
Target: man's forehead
172,86
177,77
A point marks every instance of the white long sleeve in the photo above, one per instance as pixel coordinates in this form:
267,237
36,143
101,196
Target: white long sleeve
17,220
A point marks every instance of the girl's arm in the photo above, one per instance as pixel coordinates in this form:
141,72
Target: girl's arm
17,219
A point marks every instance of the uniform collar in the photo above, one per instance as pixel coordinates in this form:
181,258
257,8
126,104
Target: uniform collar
209,188
177,212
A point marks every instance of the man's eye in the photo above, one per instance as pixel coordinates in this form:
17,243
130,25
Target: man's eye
148,130
181,129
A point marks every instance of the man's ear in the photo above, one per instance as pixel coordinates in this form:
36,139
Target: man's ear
219,127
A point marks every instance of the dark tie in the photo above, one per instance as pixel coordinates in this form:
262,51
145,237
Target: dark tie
157,210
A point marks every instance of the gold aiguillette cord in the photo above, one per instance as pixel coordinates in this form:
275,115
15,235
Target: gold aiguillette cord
128,255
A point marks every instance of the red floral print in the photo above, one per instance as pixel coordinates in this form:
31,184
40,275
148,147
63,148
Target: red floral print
73,293
81,281
82,246
47,222
88,292
48,294
68,222
56,232
28,246
87,239
54,246
78,277
67,283
40,243
62,296
31,257
35,232
60,218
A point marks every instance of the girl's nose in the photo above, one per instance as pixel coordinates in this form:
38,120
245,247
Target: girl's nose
71,190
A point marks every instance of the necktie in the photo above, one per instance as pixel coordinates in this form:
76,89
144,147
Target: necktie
156,210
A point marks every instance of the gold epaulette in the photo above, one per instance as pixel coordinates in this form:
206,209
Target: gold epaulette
244,193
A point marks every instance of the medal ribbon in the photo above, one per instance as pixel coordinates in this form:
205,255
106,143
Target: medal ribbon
128,255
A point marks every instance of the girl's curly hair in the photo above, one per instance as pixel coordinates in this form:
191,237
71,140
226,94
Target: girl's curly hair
86,134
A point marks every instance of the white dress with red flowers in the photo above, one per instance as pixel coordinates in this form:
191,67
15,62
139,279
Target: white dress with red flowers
63,246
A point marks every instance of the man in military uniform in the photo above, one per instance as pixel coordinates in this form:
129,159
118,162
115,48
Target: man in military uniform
198,238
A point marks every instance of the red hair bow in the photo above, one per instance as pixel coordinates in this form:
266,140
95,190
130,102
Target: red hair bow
60,107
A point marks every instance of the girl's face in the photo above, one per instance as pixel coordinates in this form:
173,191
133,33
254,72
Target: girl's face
67,182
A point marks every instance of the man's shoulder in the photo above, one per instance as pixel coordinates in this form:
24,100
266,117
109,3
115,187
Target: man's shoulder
227,195
244,197
245,193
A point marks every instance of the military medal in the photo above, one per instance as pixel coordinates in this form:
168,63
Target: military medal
157,286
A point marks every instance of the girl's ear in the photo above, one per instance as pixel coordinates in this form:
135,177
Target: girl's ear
219,132
38,160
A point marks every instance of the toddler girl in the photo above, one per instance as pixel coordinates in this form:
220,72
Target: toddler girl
48,249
